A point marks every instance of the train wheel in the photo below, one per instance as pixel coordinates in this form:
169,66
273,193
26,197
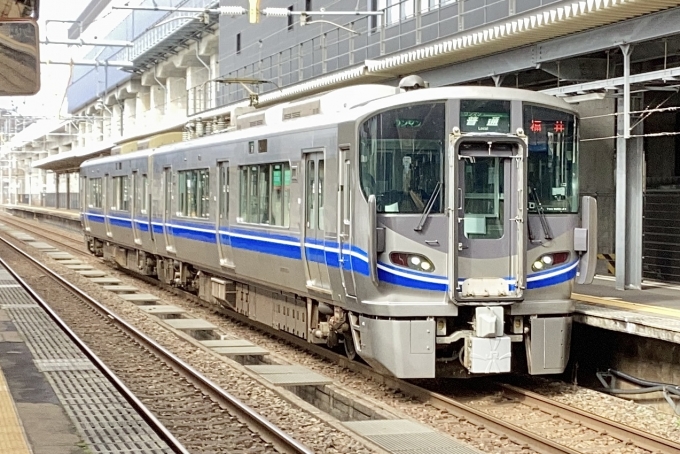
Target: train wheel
350,349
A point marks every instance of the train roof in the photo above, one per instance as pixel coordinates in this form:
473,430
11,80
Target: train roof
346,104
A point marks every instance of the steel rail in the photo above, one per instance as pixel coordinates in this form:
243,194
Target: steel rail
615,429
143,411
500,427
269,432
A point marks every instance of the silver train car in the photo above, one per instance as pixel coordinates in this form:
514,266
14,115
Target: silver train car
434,232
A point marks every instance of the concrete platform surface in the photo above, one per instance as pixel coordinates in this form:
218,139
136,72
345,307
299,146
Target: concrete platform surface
46,389
60,255
21,235
227,343
652,294
162,309
73,215
653,311
91,273
191,324
42,246
70,262
289,375
79,267
106,280
402,436
252,350
120,288
140,297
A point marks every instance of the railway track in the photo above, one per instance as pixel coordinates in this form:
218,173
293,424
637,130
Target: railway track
526,420
190,412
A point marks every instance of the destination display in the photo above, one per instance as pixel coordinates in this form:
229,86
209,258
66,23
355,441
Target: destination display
484,116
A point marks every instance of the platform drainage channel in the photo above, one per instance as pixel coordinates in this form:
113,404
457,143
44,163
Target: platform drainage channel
340,407
407,437
104,419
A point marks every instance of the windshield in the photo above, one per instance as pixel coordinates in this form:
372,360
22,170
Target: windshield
402,155
553,160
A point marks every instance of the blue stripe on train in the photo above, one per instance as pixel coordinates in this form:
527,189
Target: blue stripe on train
326,252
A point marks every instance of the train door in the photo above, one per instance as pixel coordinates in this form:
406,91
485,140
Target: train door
223,238
106,205
489,194
314,236
135,207
145,209
85,203
345,217
167,210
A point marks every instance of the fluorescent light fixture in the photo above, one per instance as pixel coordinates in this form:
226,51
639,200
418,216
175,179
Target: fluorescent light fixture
583,98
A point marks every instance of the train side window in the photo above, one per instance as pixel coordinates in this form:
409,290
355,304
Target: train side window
287,176
95,199
243,194
253,202
278,195
319,212
194,193
144,192
263,191
311,194
265,194
121,193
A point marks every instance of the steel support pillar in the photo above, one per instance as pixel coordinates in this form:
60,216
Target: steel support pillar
68,191
57,177
629,187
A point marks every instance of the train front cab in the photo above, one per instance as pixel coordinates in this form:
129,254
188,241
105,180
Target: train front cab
499,310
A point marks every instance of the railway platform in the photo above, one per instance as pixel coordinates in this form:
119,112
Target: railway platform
653,311
632,329
53,399
69,219
636,332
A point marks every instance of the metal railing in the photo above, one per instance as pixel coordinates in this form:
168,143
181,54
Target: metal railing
661,232
405,24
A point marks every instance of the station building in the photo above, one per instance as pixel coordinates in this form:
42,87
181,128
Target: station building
181,73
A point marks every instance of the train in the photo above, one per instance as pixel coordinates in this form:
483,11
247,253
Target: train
432,232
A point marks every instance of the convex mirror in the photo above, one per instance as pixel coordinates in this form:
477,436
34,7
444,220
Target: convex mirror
19,57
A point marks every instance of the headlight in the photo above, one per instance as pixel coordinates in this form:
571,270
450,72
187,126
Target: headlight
537,266
547,261
413,261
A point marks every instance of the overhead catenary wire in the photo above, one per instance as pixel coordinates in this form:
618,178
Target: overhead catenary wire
634,112
633,136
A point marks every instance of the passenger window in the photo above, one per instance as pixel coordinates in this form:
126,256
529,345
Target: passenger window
194,193
265,194
311,195
121,193
95,198
143,196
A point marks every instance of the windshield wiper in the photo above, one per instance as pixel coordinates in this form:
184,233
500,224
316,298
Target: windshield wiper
547,234
428,206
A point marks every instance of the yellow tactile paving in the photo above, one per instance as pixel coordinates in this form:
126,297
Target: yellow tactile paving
626,305
12,436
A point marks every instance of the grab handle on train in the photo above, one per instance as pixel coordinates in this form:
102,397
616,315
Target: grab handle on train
372,239
585,240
